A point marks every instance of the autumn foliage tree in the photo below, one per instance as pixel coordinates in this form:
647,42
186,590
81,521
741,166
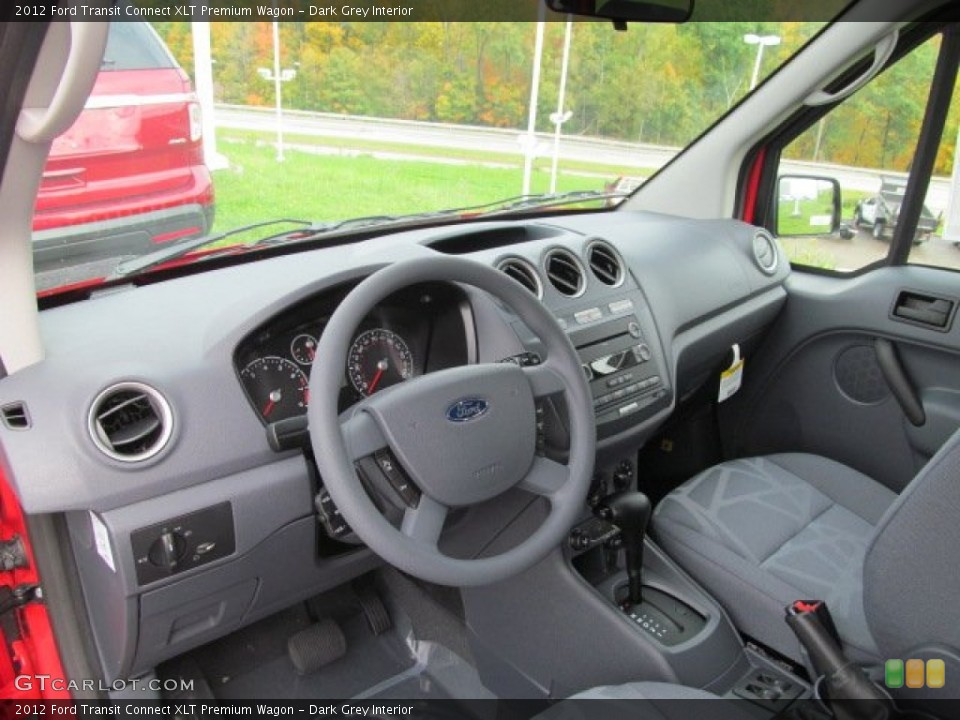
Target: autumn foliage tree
660,84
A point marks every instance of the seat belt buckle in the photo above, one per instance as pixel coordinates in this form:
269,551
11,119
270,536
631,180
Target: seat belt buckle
822,612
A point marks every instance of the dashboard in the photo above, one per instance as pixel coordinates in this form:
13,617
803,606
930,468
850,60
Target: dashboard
154,414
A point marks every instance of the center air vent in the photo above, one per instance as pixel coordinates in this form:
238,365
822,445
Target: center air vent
765,253
605,263
130,422
565,272
523,272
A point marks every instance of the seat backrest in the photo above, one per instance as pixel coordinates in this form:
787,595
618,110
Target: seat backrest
911,574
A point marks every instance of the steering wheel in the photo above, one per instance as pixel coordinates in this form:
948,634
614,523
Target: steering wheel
462,436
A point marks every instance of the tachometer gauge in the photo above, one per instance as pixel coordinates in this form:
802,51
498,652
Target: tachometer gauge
278,388
378,358
303,348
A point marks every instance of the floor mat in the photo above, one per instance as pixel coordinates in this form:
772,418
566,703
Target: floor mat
437,673
252,663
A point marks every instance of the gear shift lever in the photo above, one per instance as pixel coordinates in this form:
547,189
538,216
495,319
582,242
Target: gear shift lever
629,511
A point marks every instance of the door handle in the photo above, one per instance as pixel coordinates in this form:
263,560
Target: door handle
898,382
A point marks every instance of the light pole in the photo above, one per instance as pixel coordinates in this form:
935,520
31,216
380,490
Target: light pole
529,141
203,75
761,41
951,227
277,76
560,116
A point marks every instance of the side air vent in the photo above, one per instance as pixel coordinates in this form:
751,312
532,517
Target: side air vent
15,416
605,263
565,272
130,422
765,253
523,272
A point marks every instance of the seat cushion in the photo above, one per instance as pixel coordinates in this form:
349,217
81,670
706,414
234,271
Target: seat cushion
762,532
647,701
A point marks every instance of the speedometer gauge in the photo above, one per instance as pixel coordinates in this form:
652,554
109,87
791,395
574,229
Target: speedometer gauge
277,387
378,358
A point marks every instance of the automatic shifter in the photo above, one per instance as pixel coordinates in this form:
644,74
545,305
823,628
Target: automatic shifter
629,511
664,617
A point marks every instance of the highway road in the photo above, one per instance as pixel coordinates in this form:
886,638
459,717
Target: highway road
442,135
497,140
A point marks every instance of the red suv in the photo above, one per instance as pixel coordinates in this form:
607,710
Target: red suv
129,173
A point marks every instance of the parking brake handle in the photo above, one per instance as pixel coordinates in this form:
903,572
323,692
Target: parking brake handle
850,694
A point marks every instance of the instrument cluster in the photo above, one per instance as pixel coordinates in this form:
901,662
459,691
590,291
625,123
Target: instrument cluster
417,330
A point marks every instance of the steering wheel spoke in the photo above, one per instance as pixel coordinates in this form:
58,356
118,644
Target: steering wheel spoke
361,435
546,477
544,380
424,523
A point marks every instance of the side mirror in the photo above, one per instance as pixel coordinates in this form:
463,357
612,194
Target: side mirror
807,205
664,11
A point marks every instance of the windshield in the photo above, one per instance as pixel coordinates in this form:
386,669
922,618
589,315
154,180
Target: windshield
197,129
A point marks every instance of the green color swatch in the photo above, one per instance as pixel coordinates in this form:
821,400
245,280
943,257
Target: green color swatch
893,673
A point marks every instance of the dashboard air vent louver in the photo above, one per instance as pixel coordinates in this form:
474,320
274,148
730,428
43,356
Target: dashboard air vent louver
565,272
605,263
130,422
15,416
522,272
765,253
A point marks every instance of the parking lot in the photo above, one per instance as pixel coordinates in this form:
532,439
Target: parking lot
836,253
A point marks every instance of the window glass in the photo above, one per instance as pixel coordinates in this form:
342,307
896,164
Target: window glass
134,46
328,121
867,145
941,247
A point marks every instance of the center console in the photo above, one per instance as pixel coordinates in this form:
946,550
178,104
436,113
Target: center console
611,607
563,631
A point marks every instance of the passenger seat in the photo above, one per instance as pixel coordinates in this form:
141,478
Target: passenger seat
761,532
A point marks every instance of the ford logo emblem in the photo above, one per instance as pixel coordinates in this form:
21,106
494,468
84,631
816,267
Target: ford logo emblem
467,409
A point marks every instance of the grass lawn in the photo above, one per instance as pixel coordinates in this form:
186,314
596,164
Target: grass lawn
331,187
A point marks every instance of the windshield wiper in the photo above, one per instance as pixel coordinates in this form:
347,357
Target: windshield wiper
490,209
527,202
308,230
172,252
314,230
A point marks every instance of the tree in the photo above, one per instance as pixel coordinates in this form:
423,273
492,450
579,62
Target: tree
654,83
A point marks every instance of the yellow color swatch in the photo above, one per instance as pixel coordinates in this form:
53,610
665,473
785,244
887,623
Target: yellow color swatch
915,673
936,673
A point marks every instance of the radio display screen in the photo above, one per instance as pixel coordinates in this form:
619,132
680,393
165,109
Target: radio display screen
610,364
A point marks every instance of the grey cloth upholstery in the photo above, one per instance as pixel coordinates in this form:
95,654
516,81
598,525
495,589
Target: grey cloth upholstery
644,691
762,532
911,575
647,701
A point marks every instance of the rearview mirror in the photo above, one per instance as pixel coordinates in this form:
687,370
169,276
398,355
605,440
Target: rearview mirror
665,11
807,205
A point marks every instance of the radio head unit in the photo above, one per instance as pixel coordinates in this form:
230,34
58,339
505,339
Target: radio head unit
623,371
